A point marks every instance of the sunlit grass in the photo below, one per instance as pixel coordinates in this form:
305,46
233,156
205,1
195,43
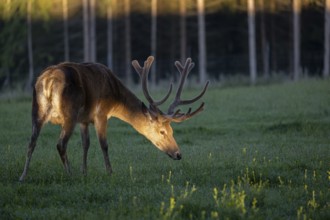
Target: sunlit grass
254,153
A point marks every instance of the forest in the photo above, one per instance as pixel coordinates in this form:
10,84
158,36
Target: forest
259,39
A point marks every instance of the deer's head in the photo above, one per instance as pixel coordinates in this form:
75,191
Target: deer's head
157,126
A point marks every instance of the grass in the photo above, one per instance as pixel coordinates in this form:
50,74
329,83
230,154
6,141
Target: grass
254,153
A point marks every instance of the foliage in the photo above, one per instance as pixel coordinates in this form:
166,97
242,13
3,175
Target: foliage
254,153
13,45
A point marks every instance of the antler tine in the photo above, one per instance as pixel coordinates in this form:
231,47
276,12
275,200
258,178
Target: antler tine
178,116
189,101
143,72
184,71
137,67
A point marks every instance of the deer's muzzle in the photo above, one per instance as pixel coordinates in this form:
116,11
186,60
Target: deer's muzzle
175,156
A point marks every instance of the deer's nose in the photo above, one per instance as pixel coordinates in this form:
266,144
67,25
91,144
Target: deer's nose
176,155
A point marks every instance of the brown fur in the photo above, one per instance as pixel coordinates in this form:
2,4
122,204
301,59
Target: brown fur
71,93
83,85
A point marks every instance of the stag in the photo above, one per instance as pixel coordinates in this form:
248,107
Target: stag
85,93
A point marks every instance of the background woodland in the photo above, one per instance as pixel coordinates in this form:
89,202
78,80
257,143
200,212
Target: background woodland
260,39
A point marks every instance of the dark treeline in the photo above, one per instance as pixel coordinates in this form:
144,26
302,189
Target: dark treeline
226,32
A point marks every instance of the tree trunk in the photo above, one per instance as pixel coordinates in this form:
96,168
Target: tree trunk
66,30
29,82
86,27
153,40
273,37
183,38
252,44
264,42
92,31
326,39
201,41
173,47
128,77
296,38
111,5
7,81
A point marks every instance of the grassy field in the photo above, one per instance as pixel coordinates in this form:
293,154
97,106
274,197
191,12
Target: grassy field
255,153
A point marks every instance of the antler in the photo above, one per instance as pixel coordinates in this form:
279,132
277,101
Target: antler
143,72
176,116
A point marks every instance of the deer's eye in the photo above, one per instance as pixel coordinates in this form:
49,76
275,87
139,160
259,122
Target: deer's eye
162,132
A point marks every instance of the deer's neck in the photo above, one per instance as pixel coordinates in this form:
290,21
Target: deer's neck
130,109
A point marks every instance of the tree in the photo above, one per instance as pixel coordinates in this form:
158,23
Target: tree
273,39
89,30
264,41
252,44
183,38
326,60
86,31
92,30
296,6
66,30
110,12
28,85
153,39
201,41
3,56
128,77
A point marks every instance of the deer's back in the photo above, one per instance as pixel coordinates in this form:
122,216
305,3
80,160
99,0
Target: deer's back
73,88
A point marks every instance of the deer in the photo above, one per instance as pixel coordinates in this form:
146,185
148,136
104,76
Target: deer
89,93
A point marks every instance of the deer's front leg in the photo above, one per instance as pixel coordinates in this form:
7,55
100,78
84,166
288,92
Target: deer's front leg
85,142
101,130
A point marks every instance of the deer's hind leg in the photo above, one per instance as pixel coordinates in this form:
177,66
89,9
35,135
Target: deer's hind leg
68,104
65,135
85,142
37,122
36,127
70,115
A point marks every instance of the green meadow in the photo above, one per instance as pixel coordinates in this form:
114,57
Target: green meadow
258,152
